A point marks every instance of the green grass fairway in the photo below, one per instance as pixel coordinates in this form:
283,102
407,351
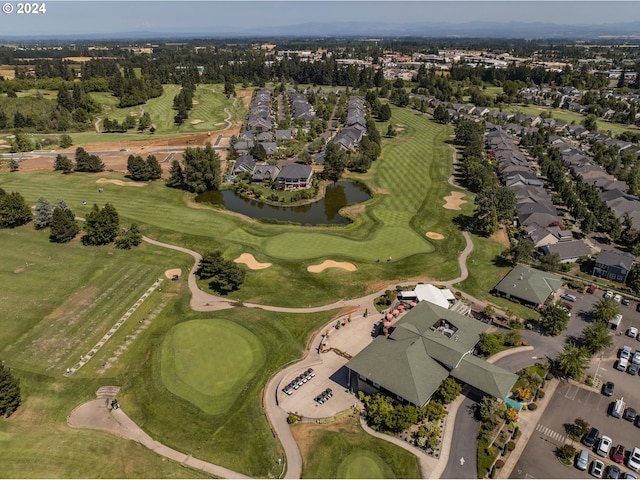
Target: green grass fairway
364,464
209,362
342,449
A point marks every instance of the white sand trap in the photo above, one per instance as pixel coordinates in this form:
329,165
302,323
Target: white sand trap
434,235
349,267
454,201
251,262
196,121
171,272
121,183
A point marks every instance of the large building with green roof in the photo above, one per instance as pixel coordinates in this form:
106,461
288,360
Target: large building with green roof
426,346
529,285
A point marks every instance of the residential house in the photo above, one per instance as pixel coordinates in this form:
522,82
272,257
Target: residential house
569,252
613,265
294,176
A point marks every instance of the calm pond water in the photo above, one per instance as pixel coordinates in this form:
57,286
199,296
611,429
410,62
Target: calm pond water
323,212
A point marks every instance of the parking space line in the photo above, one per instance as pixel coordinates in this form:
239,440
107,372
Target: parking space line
558,437
573,390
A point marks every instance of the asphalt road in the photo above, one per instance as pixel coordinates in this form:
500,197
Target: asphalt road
462,454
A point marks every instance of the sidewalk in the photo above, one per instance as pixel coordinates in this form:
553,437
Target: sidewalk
528,420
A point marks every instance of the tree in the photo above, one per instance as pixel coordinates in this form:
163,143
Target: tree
334,162
14,211
102,225
555,320
63,226
65,141
21,143
86,162
448,391
144,121
63,164
42,213
129,237
573,361
596,337
605,309
137,167
229,89
491,410
201,169
391,131
550,262
225,275
384,114
153,167
488,344
520,250
590,123
441,114
258,152
14,165
10,398
176,175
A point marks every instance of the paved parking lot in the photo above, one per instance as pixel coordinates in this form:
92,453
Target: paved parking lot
572,401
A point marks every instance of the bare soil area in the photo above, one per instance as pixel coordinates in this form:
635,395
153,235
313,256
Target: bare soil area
501,237
171,272
121,183
251,262
349,267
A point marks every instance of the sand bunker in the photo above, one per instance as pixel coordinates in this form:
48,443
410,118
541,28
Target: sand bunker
349,267
121,183
454,201
434,236
171,272
250,261
196,121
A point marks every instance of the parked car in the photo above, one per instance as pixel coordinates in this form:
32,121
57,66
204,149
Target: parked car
288,390
568,296
625,353
622,364
613,471
591,438
634,459
618,454
608,294
632,332
636,357
591,289
637,422
604,446
633,368
607,389
626,301
582,460
629,475
638,307
617,408
597,467
617,298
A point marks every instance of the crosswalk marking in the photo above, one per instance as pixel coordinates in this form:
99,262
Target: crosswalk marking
558,437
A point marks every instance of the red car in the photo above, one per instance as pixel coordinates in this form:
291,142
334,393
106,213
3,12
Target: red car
618,454
591,289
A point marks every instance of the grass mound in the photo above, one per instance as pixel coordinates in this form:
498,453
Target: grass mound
364,464
208,363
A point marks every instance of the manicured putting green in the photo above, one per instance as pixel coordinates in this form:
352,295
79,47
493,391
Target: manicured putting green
208,362
364,464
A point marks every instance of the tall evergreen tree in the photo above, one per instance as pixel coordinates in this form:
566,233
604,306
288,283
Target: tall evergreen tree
14,211
334,162
10,398
176,175
102,225
42,213
63,226
153,167
63,164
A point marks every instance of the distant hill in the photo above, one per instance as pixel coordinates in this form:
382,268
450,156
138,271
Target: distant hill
630,30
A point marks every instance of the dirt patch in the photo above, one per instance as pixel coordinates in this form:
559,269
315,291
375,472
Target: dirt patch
121,183
349,267
454,201
250,261
306,434
196,121
171,272
434,236
501,237
78,59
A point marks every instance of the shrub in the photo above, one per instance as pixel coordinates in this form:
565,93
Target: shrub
293,418
540,394
532,406
511,445
516,433
499,463
548,376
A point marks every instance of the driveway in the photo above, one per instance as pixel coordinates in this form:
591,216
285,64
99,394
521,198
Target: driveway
462,453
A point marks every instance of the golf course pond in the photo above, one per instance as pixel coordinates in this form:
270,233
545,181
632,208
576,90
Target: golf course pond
321,212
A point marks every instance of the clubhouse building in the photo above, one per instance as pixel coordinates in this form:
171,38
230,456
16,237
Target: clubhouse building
429,344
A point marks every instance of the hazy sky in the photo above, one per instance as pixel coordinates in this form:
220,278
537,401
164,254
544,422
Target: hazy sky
86,16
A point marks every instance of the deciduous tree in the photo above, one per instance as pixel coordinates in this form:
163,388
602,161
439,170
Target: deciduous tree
102,225
573,361
225,275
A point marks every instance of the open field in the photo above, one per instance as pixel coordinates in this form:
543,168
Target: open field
342,449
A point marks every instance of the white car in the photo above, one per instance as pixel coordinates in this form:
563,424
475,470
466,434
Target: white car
597,467
617,298
604,446
636,357
608,294
632,332
634,459
625,353
622,364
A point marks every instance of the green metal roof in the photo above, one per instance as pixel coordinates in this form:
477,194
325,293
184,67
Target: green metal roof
414,360
485,376
533,286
